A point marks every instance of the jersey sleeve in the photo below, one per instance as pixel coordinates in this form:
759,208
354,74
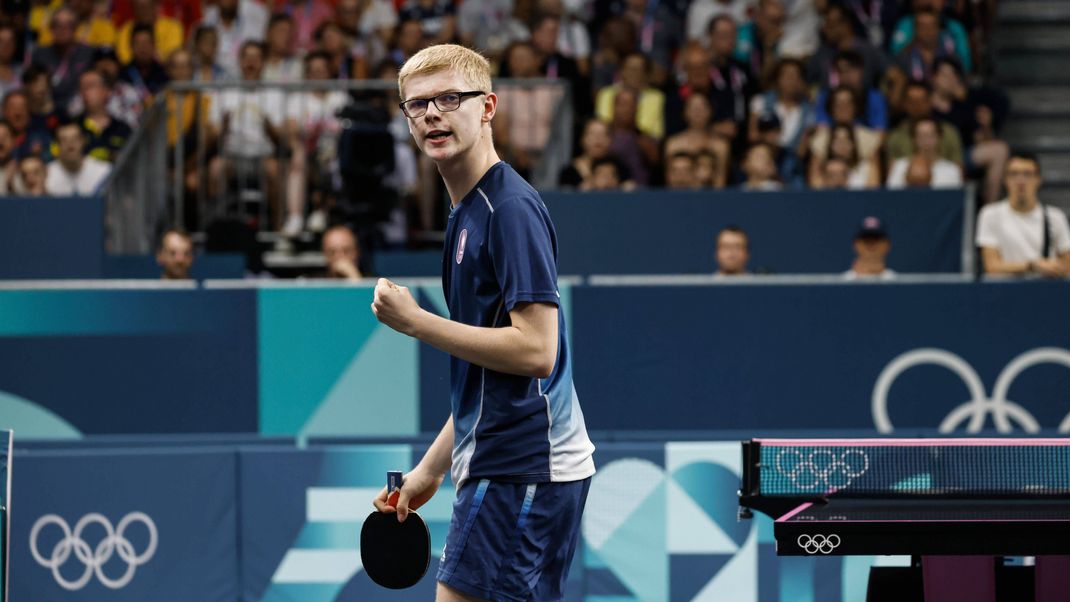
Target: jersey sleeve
521,245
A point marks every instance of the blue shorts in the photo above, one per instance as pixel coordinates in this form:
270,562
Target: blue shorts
513,541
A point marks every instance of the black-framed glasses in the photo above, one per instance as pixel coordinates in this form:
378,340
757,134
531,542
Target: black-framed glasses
445,102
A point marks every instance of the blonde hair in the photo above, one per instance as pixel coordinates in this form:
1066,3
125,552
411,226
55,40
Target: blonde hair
472,66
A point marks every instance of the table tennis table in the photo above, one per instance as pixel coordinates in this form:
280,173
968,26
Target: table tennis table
951,504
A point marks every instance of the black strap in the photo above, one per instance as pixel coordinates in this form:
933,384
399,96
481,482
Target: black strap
1045,247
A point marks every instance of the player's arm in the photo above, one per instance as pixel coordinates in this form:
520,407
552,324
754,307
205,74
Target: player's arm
424,480
527,347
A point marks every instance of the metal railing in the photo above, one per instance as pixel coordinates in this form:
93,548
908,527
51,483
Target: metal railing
148,190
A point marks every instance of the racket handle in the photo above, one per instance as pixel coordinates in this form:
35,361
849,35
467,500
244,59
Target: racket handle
393,486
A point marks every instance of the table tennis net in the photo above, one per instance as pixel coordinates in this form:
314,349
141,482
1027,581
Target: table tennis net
915,467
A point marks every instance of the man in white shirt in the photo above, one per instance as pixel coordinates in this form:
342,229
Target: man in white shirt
73,173
871,252
237,22
1019,235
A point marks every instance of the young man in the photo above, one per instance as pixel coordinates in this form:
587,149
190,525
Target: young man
515,441
871,246
1020,235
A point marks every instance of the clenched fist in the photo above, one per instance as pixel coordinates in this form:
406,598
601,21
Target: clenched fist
395,306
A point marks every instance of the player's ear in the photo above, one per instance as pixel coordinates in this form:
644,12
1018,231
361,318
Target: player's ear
490,106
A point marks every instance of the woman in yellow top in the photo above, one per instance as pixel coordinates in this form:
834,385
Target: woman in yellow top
168,32
93,29
650,115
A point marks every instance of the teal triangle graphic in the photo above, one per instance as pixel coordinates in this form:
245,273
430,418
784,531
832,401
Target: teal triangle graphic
377,393
636,552
714,488
689,573
306,341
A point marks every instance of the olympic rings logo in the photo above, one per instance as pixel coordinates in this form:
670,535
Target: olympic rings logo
94,559
818,543
980,406
822,469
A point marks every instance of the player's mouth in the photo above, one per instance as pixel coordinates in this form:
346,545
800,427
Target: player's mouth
437,137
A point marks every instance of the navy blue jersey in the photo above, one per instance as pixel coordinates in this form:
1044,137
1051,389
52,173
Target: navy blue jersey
501,250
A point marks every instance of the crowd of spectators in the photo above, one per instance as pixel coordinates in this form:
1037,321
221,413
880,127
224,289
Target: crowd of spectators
706,94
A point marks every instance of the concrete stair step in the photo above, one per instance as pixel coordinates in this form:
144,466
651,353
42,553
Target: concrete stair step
1039,101
1040,68
1058,196
1038,135
1015,37
1033,11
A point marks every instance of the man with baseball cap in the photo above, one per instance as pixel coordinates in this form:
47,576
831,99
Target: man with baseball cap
871,246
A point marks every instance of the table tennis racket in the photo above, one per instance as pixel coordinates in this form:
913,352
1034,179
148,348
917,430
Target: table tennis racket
395,555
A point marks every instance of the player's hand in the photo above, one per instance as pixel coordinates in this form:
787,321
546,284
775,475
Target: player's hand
417,487
395,306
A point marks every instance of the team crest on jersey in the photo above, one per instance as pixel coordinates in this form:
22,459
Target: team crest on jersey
463,238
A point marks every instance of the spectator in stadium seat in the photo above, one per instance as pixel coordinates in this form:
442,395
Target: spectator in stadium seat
146,74
9,166
525,112
205,53
187,12
437,18
801,29
787,99
281,64
701,12
638,151
341,251
733,252
871,246
873,22
174,255
92,29
944,34
66,58
661,34
10,65
842,145
707,170
1020,235
311,131
28,142
249,125
835,174
123,101
925,134
236,22
843,106
917,104
346,61
617,40
919,172
977,115
760,168
187,116
306,16
850,72
373,20
73,173
732,82
407,41
919,57
839,35
31,180
758,40
633,75
45,113
553,64
594,145
167,34
607,173
680,172
105,133
699,138
790,168
490,26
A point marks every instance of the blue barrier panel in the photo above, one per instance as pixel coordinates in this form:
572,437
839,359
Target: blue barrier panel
660,524
301,518
128,526
51,237
834,356
667,232
129,361
205,266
